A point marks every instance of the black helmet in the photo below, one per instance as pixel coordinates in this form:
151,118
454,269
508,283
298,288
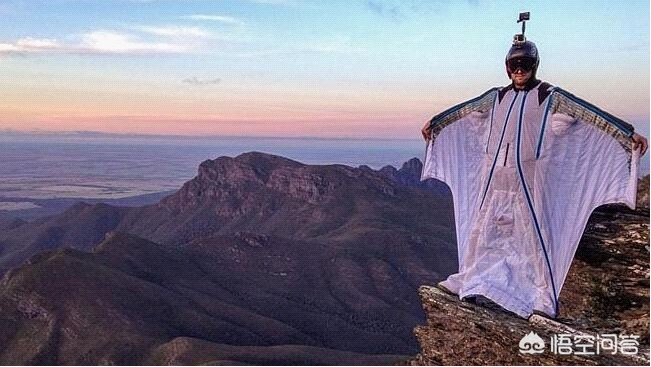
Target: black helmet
522,48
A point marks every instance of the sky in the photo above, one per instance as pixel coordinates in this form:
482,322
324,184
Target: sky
346,69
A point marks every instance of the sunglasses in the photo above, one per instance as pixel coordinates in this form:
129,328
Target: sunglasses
524,63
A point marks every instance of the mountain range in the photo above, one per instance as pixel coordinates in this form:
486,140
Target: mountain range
258,259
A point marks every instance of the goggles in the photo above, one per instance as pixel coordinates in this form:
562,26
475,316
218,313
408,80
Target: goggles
524,63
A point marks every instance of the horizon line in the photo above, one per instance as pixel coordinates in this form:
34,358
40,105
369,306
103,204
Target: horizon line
91,133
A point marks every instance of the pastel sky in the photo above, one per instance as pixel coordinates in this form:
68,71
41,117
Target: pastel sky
367,68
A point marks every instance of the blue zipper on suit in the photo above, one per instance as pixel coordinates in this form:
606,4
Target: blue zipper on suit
499,146
530,203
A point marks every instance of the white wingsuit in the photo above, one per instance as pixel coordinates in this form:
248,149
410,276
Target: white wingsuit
526,168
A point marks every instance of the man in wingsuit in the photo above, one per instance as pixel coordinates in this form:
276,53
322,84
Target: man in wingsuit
527,164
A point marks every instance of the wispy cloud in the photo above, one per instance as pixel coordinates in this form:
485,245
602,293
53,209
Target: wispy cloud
43,43
8,48
138,39
29,44
196,81
175,31
97,42
114,42
215,18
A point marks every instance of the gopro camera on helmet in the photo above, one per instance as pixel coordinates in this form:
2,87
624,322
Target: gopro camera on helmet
522,49
520,38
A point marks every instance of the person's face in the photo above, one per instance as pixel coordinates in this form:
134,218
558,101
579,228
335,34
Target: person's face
521,70
520,77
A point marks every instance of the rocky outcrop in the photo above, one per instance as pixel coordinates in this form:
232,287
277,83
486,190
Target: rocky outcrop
409,175
606,292
231,181
463,333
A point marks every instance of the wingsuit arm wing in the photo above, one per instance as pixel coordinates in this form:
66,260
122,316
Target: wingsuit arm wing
467,120
584,159
568,104
455,154
614,166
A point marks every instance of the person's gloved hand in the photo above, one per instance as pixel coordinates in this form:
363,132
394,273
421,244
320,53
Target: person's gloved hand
426,131
641,142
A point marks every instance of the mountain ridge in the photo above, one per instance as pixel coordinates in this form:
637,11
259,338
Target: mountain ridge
261,250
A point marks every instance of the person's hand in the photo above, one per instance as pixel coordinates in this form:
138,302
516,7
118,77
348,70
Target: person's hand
641,142
427,131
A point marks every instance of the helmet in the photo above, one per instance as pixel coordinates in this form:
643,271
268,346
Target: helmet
523,48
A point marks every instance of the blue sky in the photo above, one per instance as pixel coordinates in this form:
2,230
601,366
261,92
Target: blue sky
299,67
